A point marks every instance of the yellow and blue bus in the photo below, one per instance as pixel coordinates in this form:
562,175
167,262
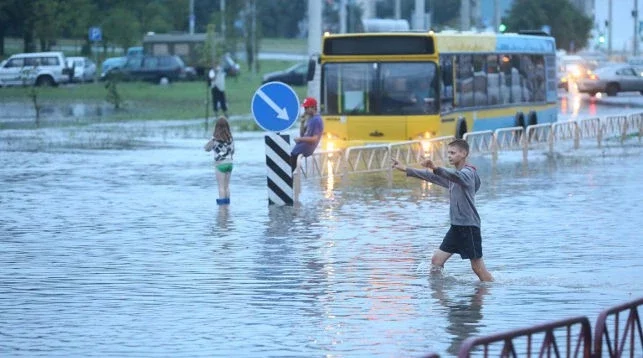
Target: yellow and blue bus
386,87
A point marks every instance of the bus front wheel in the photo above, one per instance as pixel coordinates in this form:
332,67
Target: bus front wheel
520,120
532,118
460,128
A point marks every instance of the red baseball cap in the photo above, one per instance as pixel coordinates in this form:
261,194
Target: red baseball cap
309,102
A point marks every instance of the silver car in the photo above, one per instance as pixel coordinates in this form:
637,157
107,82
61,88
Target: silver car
612,80
84,68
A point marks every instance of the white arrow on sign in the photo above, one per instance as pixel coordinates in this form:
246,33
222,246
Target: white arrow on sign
281,112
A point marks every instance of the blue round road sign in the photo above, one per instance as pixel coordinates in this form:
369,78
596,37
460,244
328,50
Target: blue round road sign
275,106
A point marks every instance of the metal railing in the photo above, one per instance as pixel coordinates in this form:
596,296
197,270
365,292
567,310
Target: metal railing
540,340
617,330
376,158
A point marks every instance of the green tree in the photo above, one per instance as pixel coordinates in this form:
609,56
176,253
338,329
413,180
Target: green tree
122,28
156,17
569,26
47,22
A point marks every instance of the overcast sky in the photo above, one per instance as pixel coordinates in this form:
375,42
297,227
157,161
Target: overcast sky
623,23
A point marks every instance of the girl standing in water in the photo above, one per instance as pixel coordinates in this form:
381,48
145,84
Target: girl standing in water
223,148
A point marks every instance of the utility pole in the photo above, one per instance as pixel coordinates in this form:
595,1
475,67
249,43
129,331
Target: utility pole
314,43
418,18
191,17
342,17
222,11
609,28
398,9
635,14
254,37
465,15
496,15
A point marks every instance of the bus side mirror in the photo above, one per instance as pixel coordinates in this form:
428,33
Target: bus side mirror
311,70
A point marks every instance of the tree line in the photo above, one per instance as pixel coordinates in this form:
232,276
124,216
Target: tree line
40,23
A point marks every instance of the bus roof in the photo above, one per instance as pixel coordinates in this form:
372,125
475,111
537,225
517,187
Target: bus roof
492,42
458,42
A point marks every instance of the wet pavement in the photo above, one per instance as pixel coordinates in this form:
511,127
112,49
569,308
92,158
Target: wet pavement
112,245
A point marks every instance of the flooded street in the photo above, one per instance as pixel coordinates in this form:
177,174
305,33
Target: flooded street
113,245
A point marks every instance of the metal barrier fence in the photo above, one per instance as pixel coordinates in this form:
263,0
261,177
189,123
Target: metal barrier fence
615,334
376,158
541,340
618,334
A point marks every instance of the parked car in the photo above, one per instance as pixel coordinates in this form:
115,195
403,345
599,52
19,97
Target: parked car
157,69
37,68
231,68
110,63
572,68
135,51
294,76
84,69
612,80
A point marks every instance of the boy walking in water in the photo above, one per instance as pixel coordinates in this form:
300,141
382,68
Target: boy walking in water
463,236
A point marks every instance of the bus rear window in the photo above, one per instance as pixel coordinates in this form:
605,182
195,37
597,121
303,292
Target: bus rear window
379,45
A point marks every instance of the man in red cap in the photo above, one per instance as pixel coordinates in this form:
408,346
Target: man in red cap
314,127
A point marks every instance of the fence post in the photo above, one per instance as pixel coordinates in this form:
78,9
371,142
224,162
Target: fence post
525,142
624,130
494,146
550,139
599,134
576,135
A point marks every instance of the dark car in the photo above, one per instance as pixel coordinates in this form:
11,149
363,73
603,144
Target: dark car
151,68
294,76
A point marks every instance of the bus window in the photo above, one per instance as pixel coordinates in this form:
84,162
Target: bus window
393,88
408,88
479,80
538,81
493,80
464,81
505,79
446,93
348,88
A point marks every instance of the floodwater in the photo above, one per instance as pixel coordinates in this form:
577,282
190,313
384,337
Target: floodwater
112,245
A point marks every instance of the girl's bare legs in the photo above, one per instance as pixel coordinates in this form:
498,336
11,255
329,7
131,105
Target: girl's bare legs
227,184
221,178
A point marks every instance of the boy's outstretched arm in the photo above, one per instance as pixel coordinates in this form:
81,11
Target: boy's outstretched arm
420,174
464,177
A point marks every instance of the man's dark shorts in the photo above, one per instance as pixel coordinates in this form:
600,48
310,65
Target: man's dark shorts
463,240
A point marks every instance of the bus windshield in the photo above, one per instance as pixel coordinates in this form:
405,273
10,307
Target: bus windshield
384,88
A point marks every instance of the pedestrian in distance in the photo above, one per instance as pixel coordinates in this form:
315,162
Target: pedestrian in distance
463,182
216,77
222,144
307,142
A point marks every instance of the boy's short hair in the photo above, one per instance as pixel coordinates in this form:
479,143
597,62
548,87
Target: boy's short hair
460,143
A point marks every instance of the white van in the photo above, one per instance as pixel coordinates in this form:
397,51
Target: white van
37,68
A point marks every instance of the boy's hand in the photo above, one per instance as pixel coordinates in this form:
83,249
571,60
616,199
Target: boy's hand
397,165
427,163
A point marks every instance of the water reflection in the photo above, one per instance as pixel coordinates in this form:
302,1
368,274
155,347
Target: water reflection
464,311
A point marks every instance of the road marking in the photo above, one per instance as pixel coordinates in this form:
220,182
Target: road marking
281,112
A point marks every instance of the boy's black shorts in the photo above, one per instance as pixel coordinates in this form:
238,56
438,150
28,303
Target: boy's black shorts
463,240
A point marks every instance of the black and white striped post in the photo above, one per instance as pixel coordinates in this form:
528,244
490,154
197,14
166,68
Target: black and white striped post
275,107
280,175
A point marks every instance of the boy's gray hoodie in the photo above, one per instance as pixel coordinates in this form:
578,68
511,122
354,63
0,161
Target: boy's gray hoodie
463,185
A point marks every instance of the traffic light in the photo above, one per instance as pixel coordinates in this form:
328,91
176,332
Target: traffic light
502,28
601,39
